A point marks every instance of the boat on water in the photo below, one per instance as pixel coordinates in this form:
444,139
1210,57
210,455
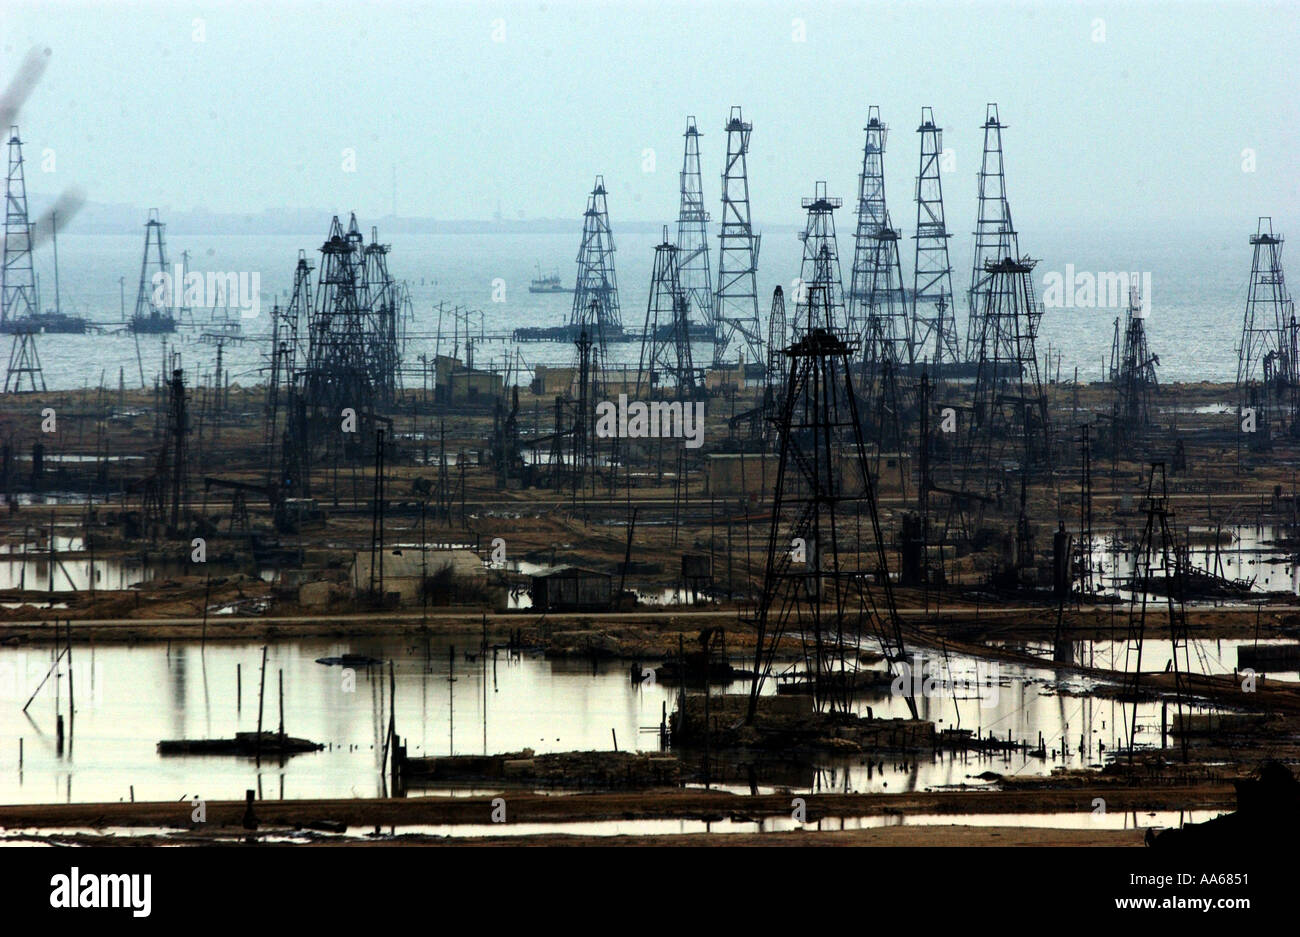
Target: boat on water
152,323
46,322
550,283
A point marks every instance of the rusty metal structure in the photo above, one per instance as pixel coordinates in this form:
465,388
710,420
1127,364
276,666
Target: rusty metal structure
820,303
934,324
735,304
877,303
1133,373
995,234
693,270
1267,380
597,284
815,582
666,364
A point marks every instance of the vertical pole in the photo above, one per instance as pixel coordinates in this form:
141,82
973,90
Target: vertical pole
261,691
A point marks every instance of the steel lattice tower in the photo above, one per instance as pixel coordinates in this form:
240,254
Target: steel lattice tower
381,296
1268,333
337,375
995,235
596,281
934,323
778,337
145,310
693,233
285,465
1010,419
18,298
821,300
736,302
1157,560
665,344
24,362
877,305
815,580
1135,376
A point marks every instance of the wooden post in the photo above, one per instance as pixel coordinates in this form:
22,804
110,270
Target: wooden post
71,697
613,733
261,692
239,688
281,674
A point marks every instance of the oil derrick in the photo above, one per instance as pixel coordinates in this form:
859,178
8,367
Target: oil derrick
507,456
166,490
177,429
596,283
382,299
18,298
24,362
665,344
735,316
823,481
934,324
589,371
820,268
19,301
877,304
1158,566
995,235
693,235
1009,421
778,337
1134,375
1267,381
150,317
286,437
338,376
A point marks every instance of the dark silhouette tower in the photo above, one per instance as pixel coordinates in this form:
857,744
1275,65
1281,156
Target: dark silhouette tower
820,268
815,580
19,301
736,302
1010,425
995,235
1134,374
596,280
1266,361
665,363
287,464
934,323
18,298
149,316
877,306
337,374
693,234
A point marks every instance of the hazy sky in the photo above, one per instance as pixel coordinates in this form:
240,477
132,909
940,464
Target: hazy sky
1145,127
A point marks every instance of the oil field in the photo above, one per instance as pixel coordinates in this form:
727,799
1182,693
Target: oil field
838,548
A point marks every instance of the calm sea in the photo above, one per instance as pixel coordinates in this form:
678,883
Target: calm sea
1197,296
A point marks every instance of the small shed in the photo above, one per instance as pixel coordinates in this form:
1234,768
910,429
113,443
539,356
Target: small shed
405,572
572,589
